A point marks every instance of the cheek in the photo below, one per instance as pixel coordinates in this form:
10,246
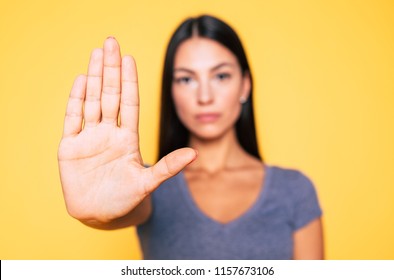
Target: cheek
182,105
232,110
230,103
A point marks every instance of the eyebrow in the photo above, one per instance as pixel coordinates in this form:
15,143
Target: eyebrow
212,69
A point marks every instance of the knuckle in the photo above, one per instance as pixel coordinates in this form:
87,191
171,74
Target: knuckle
111,90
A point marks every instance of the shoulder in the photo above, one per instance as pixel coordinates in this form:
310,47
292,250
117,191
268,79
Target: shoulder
298,193
287,173
292,186
290,180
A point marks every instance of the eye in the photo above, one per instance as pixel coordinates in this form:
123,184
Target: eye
223,76
183,80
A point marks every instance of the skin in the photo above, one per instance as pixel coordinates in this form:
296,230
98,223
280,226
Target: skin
104,182
208,78
224,181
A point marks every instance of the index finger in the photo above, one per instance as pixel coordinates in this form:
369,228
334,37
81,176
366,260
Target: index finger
74,111
129,99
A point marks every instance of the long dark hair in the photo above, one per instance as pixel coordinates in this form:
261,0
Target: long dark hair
173,134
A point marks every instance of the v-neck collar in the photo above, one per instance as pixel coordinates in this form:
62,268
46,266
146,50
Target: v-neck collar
264,189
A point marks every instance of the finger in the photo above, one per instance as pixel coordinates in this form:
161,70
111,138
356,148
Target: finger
73,119
111,82
92,112
170,165
129,99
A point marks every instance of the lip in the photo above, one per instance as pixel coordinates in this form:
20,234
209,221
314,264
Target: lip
207,117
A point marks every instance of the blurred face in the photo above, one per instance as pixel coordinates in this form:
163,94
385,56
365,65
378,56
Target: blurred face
208,87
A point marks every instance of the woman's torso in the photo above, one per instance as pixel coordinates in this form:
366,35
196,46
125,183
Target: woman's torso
180,229
228,194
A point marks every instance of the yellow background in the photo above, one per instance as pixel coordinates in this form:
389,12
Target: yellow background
324,77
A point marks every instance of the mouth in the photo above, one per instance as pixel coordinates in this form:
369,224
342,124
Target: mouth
207,117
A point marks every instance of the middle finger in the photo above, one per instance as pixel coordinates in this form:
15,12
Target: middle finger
111,81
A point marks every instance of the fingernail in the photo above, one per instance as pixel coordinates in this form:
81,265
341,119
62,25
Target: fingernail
110,37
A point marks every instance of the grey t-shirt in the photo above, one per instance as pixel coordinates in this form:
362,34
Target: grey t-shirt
177,229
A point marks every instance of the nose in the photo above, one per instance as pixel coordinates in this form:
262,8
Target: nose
204,94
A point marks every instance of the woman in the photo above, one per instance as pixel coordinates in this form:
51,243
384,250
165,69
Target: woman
224,203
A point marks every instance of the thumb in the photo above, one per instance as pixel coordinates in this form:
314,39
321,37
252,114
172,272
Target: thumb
171,164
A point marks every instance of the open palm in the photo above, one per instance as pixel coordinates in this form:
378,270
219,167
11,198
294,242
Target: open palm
101,169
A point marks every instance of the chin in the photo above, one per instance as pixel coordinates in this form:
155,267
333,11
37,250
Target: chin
208,134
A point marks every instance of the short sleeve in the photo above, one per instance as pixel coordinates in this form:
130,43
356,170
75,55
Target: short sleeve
305,203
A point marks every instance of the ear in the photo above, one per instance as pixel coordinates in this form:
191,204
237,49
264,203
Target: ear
246,87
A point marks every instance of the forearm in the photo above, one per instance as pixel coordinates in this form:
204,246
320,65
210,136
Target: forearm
137,216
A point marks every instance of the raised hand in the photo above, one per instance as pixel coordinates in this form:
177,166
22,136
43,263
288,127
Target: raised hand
101,168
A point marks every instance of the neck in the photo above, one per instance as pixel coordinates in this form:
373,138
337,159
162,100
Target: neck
217,154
